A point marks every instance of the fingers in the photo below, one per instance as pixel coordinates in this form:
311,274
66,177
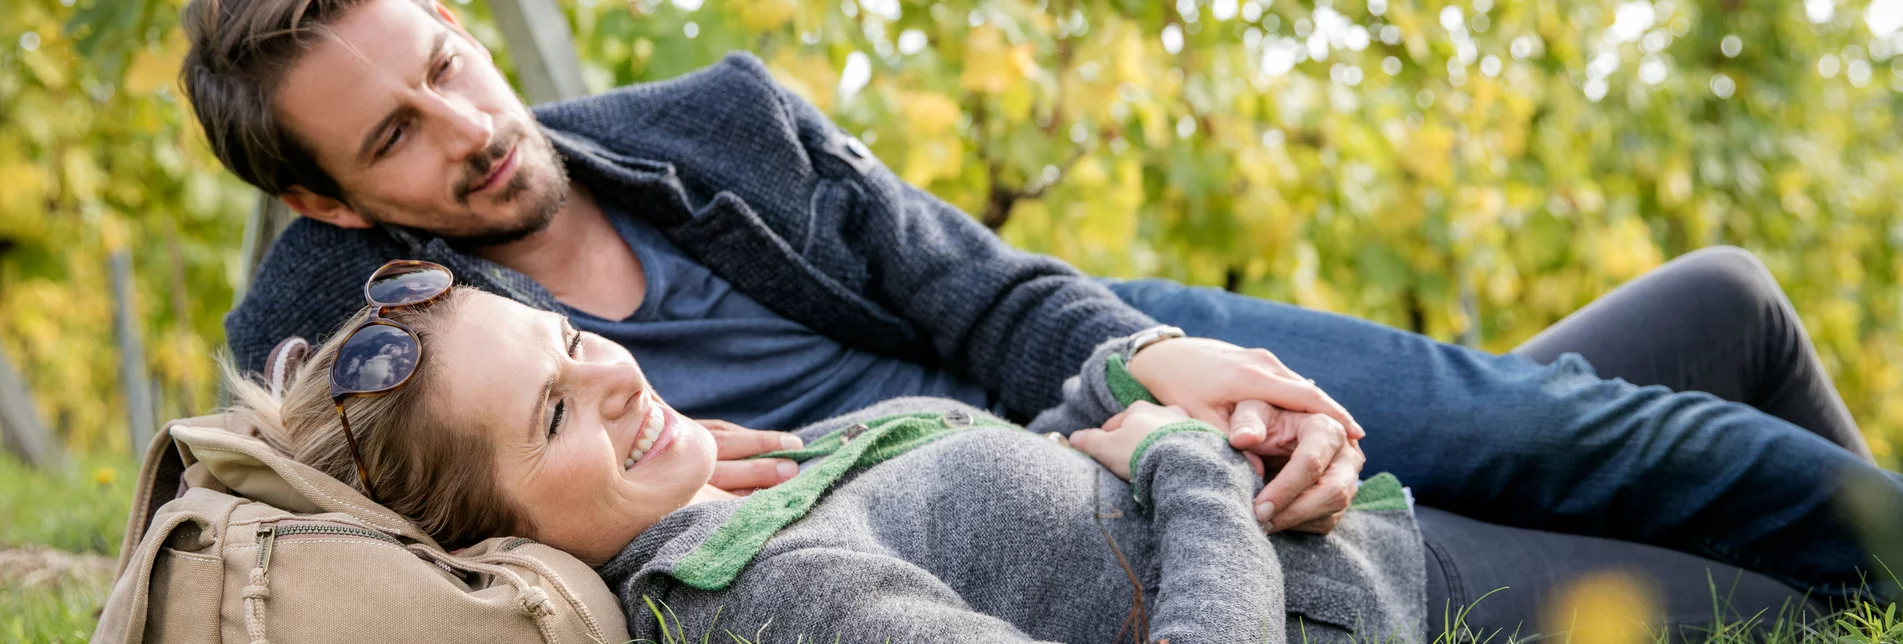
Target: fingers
743,475
1319,439
1249,424
1087,439
1320,509
1296,394
735,442
1215,417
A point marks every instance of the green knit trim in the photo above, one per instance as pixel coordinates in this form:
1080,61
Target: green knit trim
1124,385
715,563
830,442
1381,493
1143,447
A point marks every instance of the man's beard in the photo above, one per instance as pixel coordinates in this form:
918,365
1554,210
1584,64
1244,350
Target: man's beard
536,214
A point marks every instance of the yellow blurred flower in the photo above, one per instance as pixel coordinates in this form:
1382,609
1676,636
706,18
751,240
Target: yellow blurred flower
1611,607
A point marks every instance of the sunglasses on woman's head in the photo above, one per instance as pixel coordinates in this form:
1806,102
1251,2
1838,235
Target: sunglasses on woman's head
379,355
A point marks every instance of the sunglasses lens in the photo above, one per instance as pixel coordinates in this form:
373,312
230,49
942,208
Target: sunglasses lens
377,358
406,284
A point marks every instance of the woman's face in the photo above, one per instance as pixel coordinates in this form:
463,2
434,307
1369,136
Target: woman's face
583,446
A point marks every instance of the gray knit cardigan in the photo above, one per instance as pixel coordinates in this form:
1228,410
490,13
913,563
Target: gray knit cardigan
943,524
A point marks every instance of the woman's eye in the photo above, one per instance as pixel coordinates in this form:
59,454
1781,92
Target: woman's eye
574,344
555,419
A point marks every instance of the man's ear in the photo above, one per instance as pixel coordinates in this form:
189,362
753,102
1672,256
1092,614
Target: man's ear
447,15
322,208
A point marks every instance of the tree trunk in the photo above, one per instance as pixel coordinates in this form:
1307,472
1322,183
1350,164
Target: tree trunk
25,436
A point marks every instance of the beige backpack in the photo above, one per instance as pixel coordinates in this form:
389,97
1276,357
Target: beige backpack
259,548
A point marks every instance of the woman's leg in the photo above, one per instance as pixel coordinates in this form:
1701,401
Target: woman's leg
1713,320
1468,559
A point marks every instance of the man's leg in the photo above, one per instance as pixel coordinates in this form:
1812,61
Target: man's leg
1554,447
1715,321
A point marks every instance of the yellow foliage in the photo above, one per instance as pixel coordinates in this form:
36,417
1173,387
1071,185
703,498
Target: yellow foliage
808,75
152,69
765,15
928,113
930,159
993,66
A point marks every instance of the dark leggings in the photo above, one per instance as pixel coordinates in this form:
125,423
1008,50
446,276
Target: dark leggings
1713,321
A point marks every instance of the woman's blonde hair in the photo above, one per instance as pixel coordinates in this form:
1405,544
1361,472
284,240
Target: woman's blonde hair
439,476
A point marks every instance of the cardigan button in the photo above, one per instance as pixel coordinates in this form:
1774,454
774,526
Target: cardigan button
957,418
853,432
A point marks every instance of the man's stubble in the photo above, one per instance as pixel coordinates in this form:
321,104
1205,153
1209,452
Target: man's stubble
544,200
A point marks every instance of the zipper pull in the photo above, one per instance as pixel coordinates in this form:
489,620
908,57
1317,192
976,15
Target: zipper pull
267,536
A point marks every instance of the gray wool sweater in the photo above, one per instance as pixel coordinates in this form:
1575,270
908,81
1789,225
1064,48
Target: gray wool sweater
938,523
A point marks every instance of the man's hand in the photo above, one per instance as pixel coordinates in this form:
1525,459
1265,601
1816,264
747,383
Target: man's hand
1244,393
1318,466
745,476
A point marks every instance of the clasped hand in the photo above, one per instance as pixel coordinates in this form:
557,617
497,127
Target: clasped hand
1281,421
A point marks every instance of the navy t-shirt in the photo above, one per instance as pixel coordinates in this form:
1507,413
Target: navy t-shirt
713,352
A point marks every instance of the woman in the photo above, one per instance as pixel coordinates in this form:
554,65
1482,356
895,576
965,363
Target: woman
915,517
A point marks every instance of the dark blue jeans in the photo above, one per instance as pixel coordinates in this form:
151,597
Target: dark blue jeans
1555,447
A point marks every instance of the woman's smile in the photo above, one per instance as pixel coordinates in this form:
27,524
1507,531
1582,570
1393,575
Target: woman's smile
657,431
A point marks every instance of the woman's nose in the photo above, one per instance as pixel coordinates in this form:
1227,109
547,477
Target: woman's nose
620,386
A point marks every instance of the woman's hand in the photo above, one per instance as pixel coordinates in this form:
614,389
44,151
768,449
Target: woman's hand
1116,442
1317,468
733,471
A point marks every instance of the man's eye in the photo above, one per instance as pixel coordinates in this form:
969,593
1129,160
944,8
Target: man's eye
443,68
396,134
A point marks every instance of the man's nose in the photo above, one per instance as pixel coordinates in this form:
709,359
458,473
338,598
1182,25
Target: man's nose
467,130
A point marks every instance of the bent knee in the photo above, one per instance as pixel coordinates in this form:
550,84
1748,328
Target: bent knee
1727,277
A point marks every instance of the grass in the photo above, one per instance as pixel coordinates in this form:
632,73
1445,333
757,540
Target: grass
51,596
80,509
59,536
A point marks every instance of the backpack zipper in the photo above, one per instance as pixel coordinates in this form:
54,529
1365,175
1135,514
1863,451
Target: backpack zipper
267,537
268,534
318,528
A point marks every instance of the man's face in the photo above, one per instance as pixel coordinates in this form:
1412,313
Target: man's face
412,119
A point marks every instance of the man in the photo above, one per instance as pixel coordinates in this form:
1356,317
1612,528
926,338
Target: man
773,273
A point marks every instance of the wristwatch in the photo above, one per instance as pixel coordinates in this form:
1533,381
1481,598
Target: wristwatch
1146,338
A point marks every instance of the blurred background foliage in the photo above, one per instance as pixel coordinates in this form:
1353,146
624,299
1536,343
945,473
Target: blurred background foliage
1473,170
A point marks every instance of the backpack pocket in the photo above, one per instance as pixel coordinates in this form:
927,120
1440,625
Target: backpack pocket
192,615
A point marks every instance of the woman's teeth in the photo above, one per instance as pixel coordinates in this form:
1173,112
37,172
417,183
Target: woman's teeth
650,431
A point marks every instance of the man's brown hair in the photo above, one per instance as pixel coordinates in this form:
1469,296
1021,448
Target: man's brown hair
240,52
